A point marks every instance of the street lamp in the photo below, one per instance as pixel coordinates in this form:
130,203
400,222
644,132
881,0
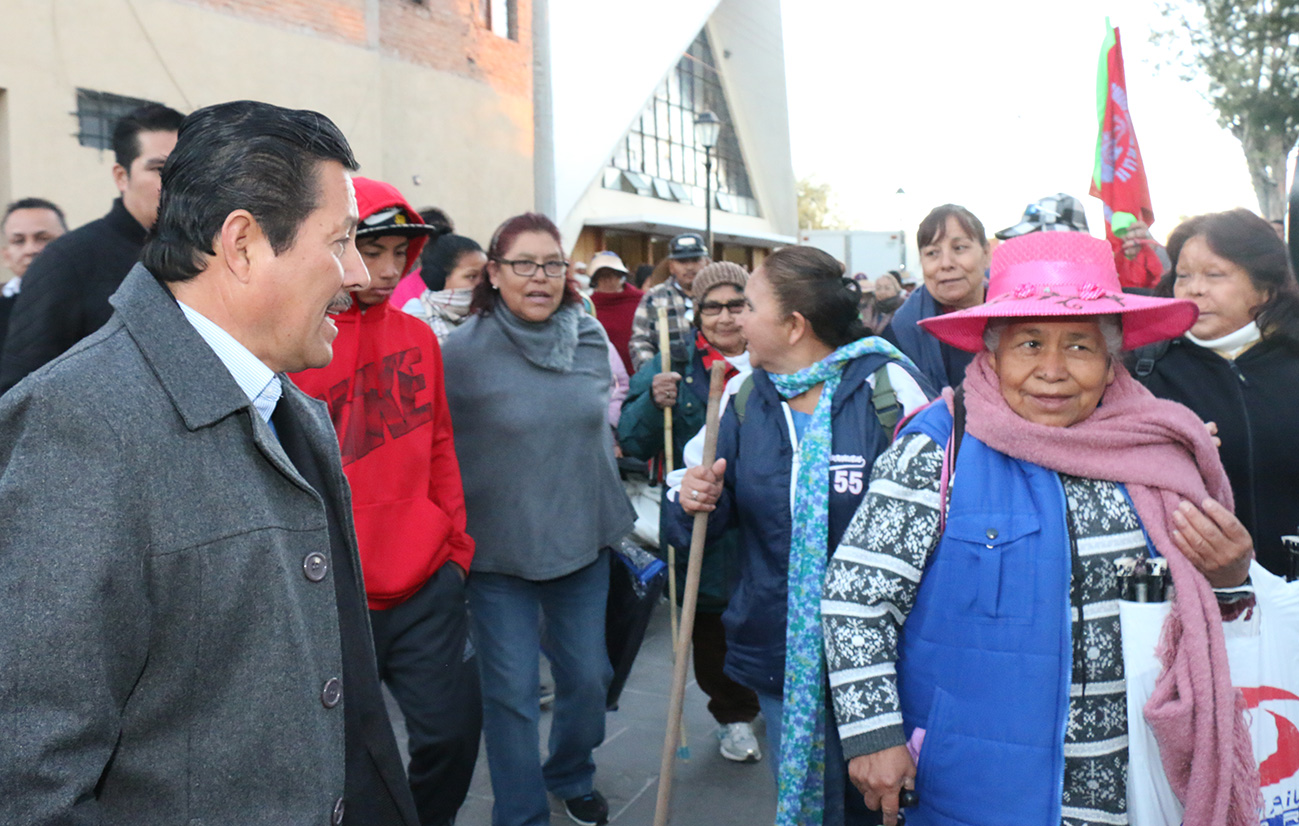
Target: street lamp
707,128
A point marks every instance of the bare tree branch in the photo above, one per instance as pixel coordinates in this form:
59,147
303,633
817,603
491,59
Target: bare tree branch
1247,53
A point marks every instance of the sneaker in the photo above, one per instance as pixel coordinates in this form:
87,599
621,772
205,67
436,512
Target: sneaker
588,810
739,743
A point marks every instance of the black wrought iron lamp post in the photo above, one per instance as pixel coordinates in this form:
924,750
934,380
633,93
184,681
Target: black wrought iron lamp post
707,129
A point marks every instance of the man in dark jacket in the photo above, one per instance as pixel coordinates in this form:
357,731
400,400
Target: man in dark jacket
186,637
65,292
28,227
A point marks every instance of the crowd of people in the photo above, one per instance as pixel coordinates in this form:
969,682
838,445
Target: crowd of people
271,437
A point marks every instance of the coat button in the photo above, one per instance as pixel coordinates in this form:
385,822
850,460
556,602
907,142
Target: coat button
315,566
992,533
690,379
336,816
332,693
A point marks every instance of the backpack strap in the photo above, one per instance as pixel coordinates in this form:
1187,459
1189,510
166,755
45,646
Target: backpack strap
885,401
1147,356
949,454
883,398
741,400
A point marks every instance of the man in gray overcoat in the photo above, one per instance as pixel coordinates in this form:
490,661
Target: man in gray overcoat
183,630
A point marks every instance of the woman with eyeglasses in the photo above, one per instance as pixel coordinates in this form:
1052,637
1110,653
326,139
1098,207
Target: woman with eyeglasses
528,383
718,293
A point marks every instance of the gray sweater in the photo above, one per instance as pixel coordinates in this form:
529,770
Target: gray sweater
542,493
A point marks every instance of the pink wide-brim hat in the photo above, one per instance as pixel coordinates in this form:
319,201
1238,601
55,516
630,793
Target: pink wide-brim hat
1062,274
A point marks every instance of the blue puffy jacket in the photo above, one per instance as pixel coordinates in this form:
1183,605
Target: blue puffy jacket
994,601
757,498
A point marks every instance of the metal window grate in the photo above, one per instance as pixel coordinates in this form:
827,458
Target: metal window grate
501,17
661,143
98,113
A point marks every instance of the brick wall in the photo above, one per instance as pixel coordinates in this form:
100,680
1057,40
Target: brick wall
337,19
445,35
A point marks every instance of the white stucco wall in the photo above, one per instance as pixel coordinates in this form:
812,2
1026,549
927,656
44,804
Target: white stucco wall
470,146
600,86
599,83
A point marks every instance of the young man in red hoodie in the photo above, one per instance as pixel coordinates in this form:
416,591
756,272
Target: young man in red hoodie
386,398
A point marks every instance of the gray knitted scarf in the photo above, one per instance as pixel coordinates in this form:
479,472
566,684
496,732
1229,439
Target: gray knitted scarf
549,344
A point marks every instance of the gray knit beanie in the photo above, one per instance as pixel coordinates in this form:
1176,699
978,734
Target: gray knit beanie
716,274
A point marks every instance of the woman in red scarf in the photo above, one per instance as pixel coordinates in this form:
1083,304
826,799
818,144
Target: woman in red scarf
719,300
970,612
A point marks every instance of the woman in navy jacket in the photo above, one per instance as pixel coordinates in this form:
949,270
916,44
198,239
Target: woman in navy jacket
777,448
954,259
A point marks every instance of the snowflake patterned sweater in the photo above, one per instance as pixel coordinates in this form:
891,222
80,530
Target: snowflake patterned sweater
872,586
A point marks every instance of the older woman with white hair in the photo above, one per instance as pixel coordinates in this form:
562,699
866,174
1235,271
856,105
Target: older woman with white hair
970,611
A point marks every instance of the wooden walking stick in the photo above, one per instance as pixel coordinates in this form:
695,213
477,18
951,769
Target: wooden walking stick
665,365
681,648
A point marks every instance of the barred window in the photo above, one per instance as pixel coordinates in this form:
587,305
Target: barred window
500,16
99,112
659,155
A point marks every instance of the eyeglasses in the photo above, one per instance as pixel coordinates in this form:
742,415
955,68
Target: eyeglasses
712,308
526,268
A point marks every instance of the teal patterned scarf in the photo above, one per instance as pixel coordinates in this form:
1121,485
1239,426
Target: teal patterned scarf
800,788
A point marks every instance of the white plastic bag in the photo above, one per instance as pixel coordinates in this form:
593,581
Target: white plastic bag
1151,801
1263,649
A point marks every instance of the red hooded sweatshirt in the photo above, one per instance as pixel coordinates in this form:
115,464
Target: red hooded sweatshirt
386,397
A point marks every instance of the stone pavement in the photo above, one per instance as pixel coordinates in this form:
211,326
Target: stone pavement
707,790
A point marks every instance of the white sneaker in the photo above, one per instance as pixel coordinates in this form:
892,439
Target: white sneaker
739,743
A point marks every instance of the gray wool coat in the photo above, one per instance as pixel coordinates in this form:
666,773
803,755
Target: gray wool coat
162,647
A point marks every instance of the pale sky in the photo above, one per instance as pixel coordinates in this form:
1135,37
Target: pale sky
989,104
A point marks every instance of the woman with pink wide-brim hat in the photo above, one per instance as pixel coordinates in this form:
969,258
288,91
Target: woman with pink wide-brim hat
971,627
1058,275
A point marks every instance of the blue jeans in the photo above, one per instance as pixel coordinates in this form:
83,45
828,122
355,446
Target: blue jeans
507,614
844,805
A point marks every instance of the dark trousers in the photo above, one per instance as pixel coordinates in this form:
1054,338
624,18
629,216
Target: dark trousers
728,701
422,649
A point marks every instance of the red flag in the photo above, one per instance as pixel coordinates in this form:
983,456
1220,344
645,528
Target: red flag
1119,175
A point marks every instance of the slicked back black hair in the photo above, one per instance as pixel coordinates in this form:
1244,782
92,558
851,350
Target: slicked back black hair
239,155
153,117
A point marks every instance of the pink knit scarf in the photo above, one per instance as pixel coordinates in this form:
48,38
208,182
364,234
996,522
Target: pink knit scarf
1162,453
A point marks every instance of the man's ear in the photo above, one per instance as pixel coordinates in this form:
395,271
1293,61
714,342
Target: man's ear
121,177
236,242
